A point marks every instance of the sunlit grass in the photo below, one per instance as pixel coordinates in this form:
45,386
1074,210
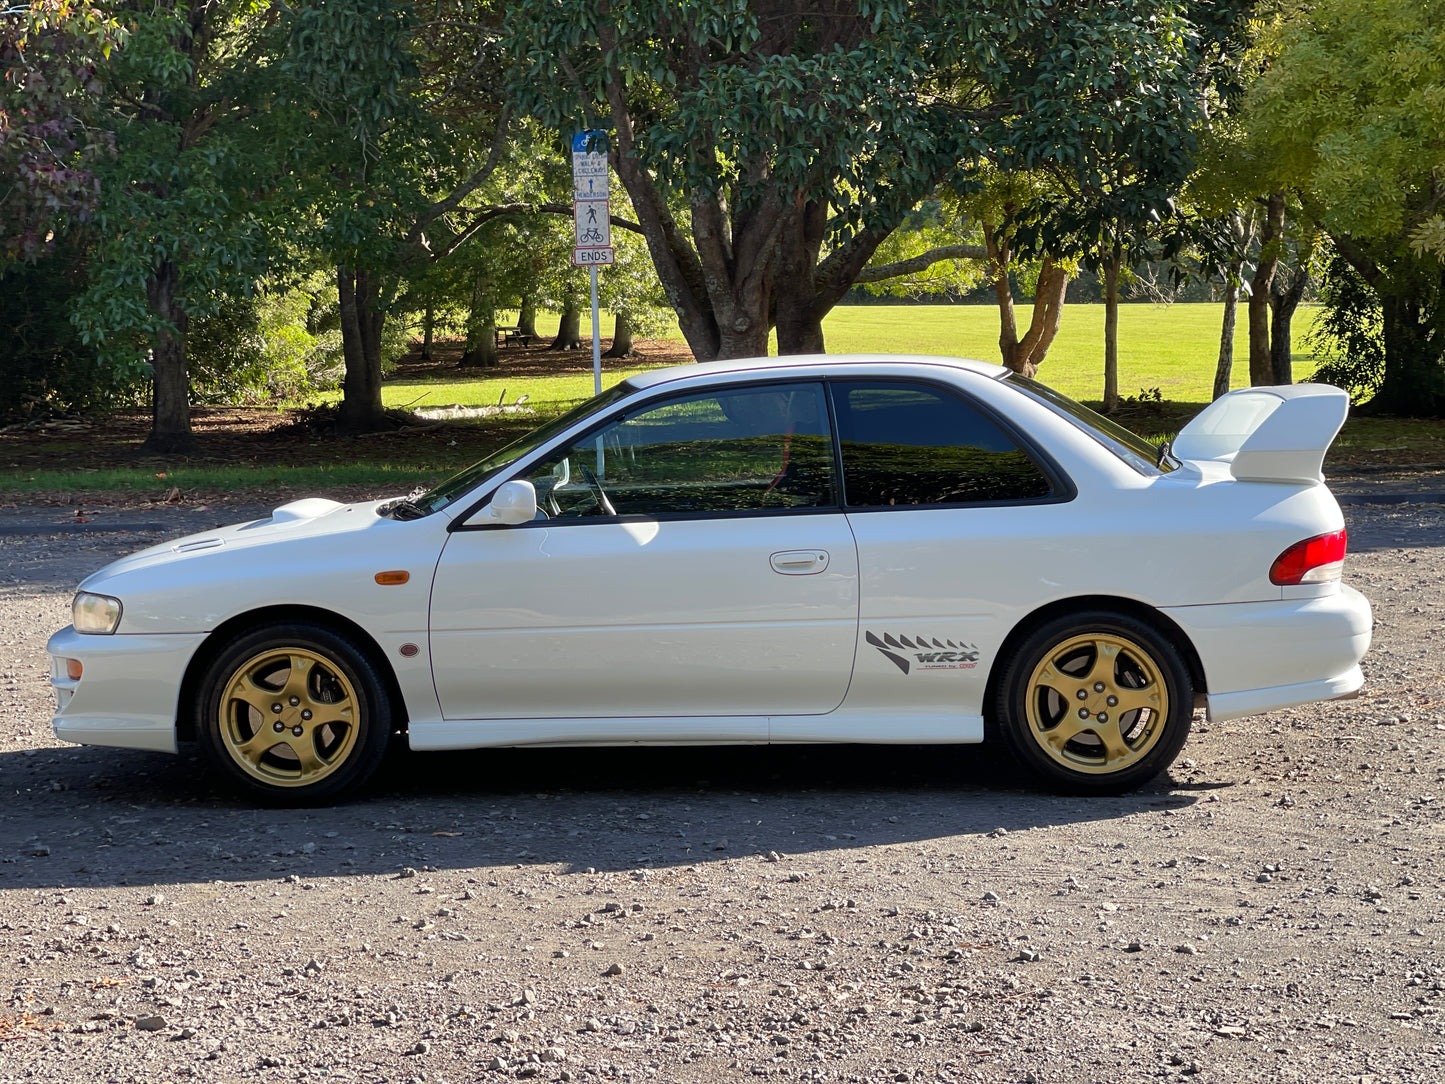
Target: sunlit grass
190,480
1173,348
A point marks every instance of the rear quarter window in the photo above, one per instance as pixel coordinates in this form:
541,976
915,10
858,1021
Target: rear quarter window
911,444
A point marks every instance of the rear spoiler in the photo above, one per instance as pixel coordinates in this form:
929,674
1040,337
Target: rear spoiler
1275,434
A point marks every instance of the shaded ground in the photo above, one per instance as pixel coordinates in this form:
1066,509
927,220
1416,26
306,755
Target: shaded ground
268,436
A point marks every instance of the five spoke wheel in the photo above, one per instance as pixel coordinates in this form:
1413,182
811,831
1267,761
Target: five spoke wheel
1096,702
294,714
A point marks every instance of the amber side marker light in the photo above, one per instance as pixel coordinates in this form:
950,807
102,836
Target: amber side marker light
73,669
392,579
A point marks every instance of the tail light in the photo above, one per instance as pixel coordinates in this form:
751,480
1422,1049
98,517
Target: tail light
1315,560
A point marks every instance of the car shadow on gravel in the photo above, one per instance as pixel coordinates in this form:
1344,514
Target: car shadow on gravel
92,817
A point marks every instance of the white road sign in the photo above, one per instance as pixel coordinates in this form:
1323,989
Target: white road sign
594,257
594,228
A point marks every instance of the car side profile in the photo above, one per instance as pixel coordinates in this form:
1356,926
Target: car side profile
863,548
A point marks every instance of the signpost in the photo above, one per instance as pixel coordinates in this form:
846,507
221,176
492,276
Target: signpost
593,225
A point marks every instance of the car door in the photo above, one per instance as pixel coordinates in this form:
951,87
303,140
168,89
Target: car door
689,559
952,514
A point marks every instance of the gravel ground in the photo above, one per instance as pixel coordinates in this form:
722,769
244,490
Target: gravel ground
1270,912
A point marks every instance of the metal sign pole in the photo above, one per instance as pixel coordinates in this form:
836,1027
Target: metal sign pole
597,363
596,339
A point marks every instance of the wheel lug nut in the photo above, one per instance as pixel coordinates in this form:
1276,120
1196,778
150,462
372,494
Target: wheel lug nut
306,715
275,709
1083,713
1112,701
297,731
1083,694
1103,716
295,700
278,726
1098,686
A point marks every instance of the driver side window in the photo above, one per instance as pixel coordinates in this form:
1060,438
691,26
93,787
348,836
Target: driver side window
731,451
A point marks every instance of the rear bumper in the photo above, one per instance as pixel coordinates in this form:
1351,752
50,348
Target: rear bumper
128,691
1261,656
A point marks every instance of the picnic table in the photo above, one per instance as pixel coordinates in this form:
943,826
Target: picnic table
507,335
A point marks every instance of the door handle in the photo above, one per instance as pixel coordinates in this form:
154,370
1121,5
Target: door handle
799,562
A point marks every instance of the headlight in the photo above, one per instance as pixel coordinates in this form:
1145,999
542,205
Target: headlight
95,613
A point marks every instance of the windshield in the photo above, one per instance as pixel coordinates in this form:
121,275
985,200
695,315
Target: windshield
458,485
1142,455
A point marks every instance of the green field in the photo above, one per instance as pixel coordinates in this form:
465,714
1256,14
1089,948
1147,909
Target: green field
1173,348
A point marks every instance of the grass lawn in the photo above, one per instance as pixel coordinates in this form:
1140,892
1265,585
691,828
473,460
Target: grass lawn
1173,348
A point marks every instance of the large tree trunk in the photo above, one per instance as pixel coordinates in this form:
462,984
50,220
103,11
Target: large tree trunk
1284,303
428,329
569,327
621,336
480,351
1112,265
797,308
170,387
1024,355
1271,239
361,324
527,319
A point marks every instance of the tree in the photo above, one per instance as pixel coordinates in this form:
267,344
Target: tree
1351,107
407,130
178,223
49,97
770,147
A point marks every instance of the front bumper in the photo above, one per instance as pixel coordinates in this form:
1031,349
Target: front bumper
1261,656
128,692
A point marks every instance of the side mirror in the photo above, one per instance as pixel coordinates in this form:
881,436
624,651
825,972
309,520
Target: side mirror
513,502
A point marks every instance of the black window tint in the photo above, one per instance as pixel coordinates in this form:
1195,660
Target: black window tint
907,444
743,450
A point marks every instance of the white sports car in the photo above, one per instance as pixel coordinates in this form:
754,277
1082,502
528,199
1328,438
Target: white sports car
795,549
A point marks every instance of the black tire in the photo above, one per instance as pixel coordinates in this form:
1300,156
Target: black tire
293,715
1056,702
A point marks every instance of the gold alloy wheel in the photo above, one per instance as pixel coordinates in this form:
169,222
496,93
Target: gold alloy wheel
289,717
1097,702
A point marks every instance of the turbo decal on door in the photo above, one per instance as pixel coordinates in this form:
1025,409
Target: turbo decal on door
924,653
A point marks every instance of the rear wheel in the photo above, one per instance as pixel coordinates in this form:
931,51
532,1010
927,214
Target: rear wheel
294,715
1096,702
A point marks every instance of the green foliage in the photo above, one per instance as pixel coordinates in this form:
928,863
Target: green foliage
192,147
49,51
47,369
1348,334
1353,109
276,345
933,224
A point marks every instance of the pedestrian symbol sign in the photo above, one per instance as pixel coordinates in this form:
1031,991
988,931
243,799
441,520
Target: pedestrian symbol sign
594,229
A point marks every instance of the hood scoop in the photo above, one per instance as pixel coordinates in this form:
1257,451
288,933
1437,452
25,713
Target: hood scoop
198,544
298,511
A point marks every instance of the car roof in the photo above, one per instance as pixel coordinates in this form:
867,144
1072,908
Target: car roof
821,364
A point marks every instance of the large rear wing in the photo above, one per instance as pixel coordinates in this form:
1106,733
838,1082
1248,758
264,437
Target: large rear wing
1277,434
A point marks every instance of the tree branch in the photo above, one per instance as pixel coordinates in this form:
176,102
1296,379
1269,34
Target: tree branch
921,262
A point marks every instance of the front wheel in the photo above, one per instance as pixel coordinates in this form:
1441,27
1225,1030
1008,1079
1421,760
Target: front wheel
294,715
1096,702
